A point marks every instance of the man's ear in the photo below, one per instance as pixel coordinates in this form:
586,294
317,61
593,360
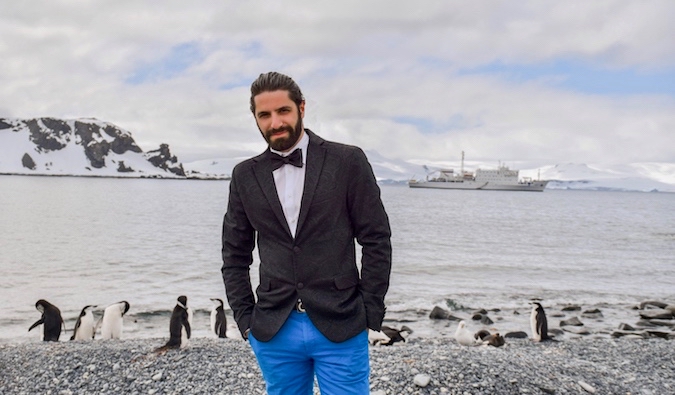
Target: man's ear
302,109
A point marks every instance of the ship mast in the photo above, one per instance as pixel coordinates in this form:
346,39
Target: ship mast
461,170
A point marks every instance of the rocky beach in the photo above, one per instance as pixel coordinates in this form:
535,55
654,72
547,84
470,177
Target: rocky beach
419,366
635,358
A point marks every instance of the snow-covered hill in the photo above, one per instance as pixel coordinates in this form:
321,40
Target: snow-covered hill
80,147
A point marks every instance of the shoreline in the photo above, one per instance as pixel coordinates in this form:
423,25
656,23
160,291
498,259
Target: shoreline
580,321
209,365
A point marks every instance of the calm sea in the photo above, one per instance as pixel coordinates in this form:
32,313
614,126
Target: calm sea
81,241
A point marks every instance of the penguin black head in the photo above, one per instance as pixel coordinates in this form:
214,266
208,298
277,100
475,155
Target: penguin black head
41,305
217,301
85,308
126,307
182,300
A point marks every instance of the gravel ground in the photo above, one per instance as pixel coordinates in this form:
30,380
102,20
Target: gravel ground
420,366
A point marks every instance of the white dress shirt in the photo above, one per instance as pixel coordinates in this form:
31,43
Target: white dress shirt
290,183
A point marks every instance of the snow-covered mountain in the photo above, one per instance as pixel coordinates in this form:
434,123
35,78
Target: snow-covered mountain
80,147
90,147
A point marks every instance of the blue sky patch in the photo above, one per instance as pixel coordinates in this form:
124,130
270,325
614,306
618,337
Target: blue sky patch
586,78
179,59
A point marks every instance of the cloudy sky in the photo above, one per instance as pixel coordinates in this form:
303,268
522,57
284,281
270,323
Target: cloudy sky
529,82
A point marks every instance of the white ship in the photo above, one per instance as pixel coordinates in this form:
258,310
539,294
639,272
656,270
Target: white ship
501,179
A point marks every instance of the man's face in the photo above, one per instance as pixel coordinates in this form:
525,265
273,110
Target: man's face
279,119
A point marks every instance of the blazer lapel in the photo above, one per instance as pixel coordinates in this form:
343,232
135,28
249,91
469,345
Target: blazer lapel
315,158
263,173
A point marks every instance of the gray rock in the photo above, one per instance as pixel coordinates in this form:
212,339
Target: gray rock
651,314
516,335
574,321
439,313
28,162
652,304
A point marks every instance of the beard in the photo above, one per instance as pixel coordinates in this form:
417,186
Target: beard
283,144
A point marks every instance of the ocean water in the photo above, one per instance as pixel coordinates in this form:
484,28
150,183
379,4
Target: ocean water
80,241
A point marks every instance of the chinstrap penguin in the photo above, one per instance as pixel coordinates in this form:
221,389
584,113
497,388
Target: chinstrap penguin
179,326
112,322
51,320
85,327
538,323
218,319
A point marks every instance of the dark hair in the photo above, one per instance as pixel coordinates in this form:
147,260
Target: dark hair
273,81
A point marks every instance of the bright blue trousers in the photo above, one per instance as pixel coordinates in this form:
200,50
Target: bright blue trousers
298,352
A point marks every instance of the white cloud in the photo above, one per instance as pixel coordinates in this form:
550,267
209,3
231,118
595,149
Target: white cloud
378,74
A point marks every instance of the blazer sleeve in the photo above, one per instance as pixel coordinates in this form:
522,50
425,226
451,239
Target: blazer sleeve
237,250
373,233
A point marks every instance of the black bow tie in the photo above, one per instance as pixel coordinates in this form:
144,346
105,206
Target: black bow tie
295,159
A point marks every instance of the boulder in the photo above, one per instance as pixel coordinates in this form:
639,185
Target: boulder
651,314
631,334
576,330
438,313
593,313
668,323
652,304
516,335
574,321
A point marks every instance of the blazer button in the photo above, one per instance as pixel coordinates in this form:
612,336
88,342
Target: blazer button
296,249
301,285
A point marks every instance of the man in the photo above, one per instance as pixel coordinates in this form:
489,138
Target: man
304,201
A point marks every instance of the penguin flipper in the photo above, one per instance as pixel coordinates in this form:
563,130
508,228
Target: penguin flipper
38,322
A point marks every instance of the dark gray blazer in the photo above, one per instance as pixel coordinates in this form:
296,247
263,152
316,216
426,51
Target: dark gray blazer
340,203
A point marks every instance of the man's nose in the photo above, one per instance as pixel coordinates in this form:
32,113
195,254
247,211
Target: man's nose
277,121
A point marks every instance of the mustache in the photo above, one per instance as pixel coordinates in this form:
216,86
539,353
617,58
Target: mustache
281,129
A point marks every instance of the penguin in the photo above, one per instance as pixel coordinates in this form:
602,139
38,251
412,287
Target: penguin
218,319
84,327
51,320
388,335
112,322
464,337
538,323
179,326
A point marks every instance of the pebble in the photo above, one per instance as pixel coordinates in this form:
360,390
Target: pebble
422,380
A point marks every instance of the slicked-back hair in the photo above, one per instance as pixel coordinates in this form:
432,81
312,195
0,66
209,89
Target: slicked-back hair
273,81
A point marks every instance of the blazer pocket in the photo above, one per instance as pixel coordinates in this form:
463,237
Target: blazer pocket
346,282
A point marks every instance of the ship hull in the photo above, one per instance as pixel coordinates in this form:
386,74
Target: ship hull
534,186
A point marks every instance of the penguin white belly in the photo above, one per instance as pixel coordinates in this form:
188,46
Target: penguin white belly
536,335
86,329
111,327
